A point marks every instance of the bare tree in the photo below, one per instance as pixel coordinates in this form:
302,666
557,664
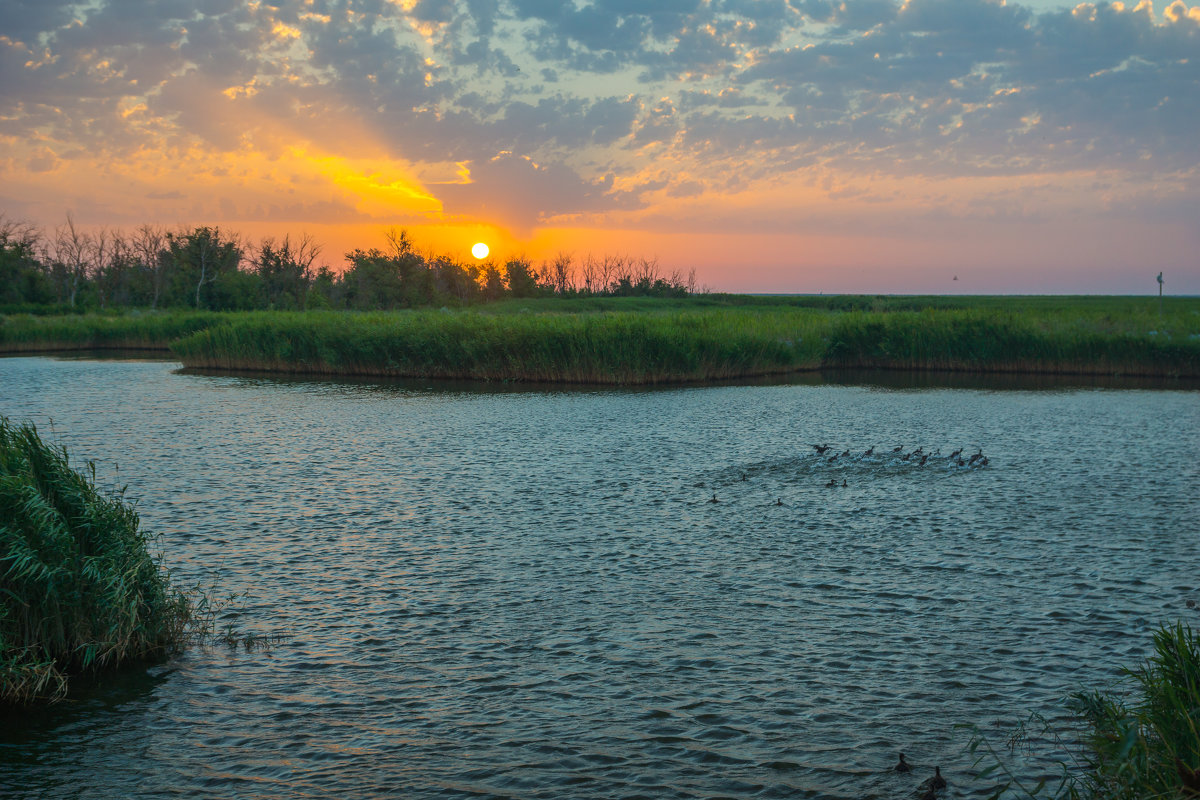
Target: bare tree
100,253
588,273
150,243
608,272
645,272
71,250
562,273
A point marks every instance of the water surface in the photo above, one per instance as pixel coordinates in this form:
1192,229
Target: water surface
499,592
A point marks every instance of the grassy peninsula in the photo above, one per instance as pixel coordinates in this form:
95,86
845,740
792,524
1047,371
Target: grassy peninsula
79,590
619,340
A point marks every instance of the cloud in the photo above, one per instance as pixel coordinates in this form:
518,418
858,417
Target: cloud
590,103
518,192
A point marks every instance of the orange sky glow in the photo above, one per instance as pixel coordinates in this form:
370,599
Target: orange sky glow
783,146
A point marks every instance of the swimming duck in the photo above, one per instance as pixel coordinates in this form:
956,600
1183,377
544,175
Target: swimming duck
714,498
843,483
870,452
832,483
897,448
820,448
779,502
936,782
956,453
903,765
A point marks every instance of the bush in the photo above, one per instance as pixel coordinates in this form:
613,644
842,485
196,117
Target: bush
79,590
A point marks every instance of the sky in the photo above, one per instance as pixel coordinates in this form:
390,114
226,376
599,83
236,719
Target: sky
881,146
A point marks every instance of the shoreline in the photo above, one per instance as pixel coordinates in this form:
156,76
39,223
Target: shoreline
675,343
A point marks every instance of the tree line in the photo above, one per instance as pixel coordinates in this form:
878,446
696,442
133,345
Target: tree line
207,267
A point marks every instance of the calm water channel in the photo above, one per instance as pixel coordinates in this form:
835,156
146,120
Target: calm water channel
499,592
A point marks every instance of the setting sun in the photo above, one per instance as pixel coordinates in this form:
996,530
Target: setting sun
480,250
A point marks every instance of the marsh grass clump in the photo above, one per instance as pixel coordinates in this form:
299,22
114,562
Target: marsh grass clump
1140,743
79,589
21,333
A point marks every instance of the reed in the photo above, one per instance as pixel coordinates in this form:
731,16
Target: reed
665,343
23,333
582,348
1140,740
656,340
79,590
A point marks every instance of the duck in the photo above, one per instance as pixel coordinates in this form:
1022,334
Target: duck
779,501
846,453
897,448
820,448
714,498
902,766
843,483
869,452
934,783
832,483
956,453
924,458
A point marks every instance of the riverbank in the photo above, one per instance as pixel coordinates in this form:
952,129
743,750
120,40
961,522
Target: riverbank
649,341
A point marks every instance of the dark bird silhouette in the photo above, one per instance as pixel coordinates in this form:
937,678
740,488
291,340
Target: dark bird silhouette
919,450
714,498
870,452
903,765
843,483
779,502
820,448
897,448
832,483
846,453
956,453
924,458
745,477
936,782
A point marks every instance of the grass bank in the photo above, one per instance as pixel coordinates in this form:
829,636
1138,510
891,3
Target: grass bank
656,340
28,333
669,344
611,347
79,590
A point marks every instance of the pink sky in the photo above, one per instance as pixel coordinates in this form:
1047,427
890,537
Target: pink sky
771,145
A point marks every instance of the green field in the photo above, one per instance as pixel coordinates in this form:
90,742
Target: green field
611,340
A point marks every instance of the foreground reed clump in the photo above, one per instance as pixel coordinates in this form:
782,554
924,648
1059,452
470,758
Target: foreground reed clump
1135,744
79,590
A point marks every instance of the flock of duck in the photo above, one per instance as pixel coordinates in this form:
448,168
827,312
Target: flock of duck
895,457
930,787
919,457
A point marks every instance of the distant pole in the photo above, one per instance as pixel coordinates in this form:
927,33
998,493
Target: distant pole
1160,294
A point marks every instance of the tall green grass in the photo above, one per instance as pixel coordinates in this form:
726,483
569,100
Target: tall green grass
619,347
79,590
653,340
663,344
142,331
1138,741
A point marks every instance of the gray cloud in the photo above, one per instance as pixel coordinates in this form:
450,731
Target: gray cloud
601,87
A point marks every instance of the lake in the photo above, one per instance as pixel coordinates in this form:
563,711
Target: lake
528,592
